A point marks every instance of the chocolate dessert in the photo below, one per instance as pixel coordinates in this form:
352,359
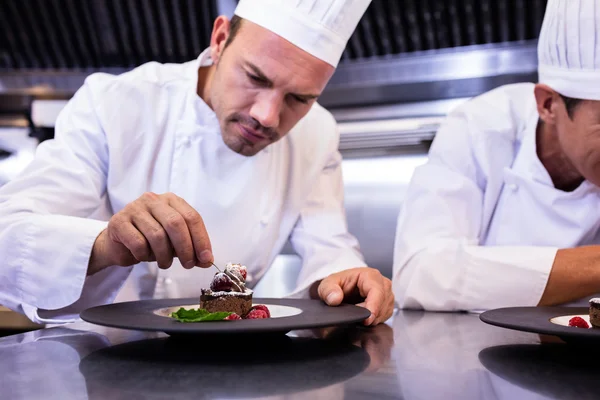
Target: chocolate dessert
228,292
595,312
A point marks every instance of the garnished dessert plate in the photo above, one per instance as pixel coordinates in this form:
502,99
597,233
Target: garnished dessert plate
286,315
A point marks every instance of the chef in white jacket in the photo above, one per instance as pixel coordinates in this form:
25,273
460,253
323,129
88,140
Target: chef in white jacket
506,212
170,167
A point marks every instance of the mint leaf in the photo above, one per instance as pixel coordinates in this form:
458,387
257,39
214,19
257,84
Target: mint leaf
198,315
216,316
192,313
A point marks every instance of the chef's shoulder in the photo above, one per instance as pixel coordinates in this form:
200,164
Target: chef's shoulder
478,138
148,86
500,114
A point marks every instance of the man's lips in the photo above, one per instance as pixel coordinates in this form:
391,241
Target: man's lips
251,135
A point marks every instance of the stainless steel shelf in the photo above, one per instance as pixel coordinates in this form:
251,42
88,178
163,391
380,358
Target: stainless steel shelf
387,133
431,75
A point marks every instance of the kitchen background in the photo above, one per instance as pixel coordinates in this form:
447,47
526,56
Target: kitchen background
407,65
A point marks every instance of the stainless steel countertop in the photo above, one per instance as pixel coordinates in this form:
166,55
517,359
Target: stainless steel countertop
416,355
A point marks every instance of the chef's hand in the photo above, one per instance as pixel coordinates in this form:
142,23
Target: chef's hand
365,287
153,228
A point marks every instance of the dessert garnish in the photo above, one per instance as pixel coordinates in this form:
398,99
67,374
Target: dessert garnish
578,322
227,299
199,315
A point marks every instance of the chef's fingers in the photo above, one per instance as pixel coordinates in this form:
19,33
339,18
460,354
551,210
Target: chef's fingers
390,302
195,225
372,288
120,229
330,290
152,225
368,282
387,309
174,219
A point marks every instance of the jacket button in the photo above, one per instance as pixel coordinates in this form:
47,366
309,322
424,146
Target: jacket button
514,187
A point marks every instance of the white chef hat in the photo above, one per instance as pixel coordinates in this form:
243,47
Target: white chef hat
569,48
319,27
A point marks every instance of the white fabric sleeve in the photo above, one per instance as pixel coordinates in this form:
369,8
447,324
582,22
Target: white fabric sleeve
438,261
46,234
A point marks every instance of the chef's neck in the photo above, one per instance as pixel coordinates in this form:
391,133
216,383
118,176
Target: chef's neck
205,75
563,173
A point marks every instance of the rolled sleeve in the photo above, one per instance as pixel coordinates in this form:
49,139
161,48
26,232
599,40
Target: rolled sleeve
506,276
61,285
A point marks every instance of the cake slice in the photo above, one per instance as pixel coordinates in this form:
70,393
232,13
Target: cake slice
595,312
228,292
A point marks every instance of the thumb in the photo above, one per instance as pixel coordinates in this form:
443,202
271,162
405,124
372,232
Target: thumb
331,292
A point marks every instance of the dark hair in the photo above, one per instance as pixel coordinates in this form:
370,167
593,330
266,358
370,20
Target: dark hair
570,104
234,26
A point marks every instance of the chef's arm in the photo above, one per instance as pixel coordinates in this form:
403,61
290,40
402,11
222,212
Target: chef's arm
46,233
321,236
438,261
575,274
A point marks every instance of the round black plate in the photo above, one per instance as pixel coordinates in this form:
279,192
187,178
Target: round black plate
140,315
537,320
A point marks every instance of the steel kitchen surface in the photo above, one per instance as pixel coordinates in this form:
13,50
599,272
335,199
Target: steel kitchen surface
416,355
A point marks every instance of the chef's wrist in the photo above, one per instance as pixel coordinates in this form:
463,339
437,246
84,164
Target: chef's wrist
98,257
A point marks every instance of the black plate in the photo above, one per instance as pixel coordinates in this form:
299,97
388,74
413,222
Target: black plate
140,315
537,320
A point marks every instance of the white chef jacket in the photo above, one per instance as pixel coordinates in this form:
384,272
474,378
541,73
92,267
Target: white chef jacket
482,220
148,130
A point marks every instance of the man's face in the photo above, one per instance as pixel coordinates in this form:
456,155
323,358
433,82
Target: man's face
262,86
579,137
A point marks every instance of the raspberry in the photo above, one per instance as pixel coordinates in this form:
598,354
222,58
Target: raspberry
244,272
256,314
232,317
221,283
263,308
578,322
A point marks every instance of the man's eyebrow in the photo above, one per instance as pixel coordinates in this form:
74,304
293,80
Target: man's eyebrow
259,74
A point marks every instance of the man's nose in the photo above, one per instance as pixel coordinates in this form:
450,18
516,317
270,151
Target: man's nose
266,110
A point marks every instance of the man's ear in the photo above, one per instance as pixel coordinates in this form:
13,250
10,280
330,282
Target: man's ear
218,38
548,103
